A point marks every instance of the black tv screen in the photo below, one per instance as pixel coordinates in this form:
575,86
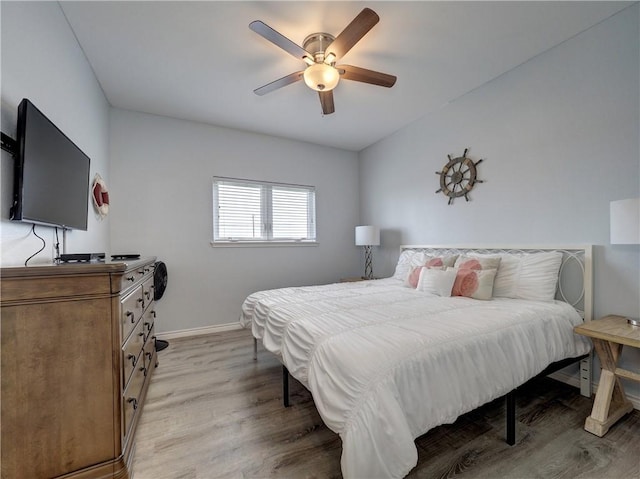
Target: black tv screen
51,183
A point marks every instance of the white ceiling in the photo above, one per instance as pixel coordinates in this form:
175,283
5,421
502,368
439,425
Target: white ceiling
200,61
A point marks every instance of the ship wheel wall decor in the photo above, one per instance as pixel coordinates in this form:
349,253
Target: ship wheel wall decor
458,177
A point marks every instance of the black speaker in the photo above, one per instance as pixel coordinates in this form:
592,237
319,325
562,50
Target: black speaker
160,278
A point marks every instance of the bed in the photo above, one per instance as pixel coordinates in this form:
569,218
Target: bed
387,360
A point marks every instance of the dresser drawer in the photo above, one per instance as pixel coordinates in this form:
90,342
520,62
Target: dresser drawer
48,287
131,397
147,291
131,352
133,276
129,278
131,308
150,349
147,322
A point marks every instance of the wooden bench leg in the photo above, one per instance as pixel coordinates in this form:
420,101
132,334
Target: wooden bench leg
610,403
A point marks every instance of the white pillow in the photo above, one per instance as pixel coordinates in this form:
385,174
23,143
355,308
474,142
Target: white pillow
436,281
410,259
403,266
505,283
538,277
528,276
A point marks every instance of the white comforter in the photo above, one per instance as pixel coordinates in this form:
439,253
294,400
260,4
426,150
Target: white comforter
386,363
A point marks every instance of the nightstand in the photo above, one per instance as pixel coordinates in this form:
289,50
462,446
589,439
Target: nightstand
609,334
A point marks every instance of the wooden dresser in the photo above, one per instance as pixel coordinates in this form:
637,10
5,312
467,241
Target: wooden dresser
78,351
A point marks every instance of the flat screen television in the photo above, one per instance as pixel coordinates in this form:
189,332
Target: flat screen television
51,182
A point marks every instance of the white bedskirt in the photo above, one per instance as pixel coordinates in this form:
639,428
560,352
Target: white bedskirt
386,363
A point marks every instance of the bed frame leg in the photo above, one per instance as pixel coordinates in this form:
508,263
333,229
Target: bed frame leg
285,386
255,349
511,418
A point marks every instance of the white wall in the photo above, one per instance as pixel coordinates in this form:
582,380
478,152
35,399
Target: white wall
42,61
161,201
560,139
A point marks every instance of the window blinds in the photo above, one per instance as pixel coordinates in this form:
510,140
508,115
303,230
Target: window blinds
254,211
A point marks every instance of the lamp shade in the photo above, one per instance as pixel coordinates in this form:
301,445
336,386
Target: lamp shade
367,236
625,221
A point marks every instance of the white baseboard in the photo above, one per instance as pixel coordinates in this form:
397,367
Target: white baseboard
184,333
575,381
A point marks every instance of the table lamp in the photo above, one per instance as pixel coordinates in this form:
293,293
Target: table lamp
367,236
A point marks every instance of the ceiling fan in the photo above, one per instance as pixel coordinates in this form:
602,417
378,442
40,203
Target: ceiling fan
320,52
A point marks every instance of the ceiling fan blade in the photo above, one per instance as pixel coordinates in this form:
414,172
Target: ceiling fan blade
366,76
352,33
279,83
326,100
279,40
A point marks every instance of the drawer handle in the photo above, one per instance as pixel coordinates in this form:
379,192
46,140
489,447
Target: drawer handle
144,371
141,271
141,333
153,313
149,355
131,278
130,313
140,300
133,359
148,326
134,401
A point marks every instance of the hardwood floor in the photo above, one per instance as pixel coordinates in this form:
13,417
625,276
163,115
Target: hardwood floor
213,412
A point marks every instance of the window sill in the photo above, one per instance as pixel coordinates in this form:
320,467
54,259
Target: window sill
261,244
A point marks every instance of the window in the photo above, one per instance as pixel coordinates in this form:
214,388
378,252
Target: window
247,211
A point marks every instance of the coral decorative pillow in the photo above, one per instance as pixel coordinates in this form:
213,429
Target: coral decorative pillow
435,263
473,283
414,276
428,262
478,262
449,261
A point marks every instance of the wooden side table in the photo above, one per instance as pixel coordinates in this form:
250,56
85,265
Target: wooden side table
609,334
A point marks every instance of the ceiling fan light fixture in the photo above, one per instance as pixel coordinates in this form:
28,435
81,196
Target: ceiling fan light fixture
321,77
320,52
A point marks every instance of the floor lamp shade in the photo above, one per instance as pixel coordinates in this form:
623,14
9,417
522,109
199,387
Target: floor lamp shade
367,236
625,221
